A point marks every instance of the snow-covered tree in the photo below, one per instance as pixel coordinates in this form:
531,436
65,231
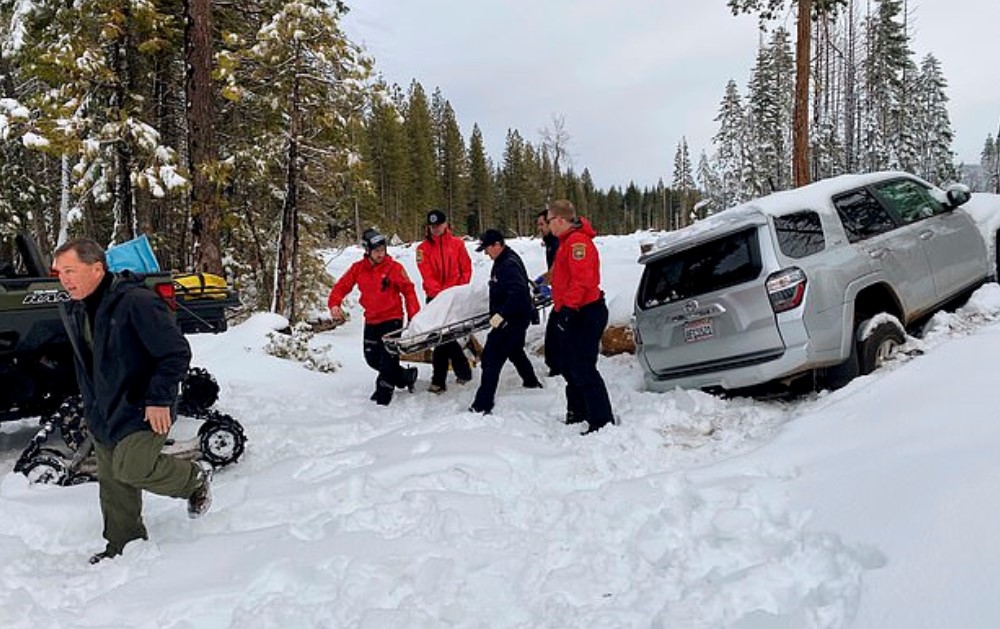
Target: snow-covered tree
933,126
769,115
307,84
683,181
731,152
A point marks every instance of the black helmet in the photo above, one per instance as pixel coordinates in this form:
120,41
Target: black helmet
372,239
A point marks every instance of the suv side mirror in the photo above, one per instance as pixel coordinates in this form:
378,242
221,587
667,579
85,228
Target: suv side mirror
958,194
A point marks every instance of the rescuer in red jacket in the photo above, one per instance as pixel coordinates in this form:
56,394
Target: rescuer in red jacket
384,286
444,262
580,316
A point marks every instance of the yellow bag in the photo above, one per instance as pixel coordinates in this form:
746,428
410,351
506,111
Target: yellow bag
200,286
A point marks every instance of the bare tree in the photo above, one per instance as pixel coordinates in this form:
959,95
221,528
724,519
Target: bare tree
556,139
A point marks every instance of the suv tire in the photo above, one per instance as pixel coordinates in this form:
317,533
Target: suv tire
879,346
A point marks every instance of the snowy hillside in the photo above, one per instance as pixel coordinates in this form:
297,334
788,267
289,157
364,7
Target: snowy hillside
869,507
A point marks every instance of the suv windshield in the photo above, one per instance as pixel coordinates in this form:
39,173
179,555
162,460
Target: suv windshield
721,263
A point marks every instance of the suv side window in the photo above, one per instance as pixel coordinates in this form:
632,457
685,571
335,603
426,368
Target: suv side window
799,234
909,199
862,215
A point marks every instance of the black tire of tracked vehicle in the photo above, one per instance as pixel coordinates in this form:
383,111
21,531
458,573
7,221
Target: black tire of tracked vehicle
221,440
46,468
199,392
71,422
879,346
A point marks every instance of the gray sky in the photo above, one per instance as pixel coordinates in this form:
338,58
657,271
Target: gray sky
631,77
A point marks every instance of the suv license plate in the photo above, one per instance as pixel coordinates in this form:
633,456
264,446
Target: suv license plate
700,330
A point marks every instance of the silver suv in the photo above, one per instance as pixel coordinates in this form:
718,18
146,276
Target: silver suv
817,281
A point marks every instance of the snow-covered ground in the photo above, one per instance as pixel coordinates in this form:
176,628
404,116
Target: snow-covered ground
872,507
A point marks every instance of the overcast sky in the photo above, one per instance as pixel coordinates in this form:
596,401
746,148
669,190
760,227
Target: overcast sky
631,77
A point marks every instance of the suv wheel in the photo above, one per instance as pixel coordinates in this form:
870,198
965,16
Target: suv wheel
879,345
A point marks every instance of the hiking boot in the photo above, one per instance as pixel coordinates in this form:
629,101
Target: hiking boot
437,388
463,380
573,418
410,378
201,499
476,409
99,557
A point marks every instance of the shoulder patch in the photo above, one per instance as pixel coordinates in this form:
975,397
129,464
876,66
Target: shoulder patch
579,251
420,255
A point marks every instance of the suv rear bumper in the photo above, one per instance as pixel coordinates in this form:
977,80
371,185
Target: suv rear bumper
733,373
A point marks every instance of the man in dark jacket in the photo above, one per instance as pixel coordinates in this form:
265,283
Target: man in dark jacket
551,243
512,312
130,358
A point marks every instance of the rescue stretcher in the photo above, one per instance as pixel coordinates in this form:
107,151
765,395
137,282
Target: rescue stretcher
397,343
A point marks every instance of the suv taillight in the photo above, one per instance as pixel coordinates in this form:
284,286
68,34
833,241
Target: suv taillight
166,292
786,288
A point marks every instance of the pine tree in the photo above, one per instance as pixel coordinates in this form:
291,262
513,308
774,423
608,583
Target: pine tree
480,208
452,163
421,193
730,142
308,81
94,60
989,160
683,182
711,185
888,128
769,116
933,133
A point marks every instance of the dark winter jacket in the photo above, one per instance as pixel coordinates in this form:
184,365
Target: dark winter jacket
551,243
510,296
136,357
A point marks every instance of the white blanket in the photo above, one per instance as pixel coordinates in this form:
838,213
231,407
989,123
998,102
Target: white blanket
451,305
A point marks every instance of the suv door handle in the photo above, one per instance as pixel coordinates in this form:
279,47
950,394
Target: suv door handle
926,234
878,254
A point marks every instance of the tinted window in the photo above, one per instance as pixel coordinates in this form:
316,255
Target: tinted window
728,261
862,215
909,199
799,235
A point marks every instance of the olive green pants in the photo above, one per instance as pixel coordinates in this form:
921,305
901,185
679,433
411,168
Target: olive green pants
124,471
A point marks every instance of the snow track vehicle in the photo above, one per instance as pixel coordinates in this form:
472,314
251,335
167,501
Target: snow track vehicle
37,378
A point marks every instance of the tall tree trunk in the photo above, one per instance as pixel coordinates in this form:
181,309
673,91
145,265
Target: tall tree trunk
64,199
124,208
285,265
204,196
800,114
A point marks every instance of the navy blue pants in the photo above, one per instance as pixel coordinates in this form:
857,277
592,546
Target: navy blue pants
450,352
579,339
390,373
502,344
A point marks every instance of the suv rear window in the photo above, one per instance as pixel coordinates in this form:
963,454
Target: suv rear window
799,234
727,261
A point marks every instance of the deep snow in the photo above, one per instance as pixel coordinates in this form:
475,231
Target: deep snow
871,506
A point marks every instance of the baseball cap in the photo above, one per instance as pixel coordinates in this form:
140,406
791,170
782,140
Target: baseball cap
436,217
489,237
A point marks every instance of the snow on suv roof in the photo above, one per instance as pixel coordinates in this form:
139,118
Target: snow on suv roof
815,196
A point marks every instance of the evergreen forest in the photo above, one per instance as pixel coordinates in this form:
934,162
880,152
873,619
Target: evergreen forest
244,137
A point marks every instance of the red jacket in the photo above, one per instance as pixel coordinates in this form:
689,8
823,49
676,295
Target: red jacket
576,270
443,262
383,288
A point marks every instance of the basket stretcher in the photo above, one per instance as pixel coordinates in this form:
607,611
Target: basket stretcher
397,344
